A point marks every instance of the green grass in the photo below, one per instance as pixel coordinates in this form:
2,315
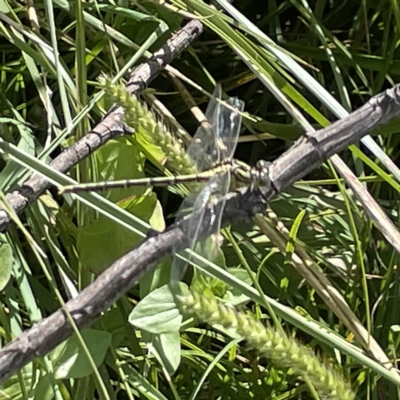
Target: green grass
318,268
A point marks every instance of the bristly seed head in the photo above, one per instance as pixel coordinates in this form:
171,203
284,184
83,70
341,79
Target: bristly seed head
138,116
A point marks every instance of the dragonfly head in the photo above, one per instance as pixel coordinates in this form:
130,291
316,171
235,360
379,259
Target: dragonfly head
262,173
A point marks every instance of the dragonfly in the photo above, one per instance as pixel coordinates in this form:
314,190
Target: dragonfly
241,171
211,152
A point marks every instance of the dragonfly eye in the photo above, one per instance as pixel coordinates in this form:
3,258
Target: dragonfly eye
262,168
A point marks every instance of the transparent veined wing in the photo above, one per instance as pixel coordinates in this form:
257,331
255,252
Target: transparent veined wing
214,141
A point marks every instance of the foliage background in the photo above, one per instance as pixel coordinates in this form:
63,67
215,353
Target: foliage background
349,47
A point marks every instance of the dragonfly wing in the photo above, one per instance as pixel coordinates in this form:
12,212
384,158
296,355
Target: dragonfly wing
199,204
227,128
215,140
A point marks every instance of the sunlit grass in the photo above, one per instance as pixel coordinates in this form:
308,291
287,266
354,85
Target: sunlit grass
317,251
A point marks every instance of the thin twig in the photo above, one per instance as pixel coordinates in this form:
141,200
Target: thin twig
112,125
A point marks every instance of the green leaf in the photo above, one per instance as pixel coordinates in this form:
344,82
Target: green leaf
70,358
117,160
44,389
6,260
168,346
235,296
104,241
157,312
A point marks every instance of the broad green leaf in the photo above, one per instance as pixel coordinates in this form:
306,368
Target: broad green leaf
168,346
104,241
6,260
160,276
147,208
70,360
233,295
157,312
117,160
44,389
